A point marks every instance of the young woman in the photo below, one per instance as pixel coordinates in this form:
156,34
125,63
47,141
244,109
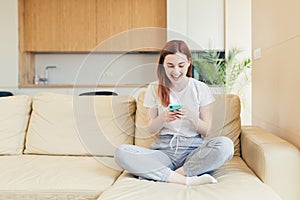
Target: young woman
181,154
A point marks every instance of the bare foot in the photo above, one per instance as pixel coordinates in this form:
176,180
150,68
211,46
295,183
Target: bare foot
180,171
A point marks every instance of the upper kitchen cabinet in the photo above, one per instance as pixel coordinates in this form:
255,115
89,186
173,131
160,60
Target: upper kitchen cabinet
199,22
81,25
59,25
130,25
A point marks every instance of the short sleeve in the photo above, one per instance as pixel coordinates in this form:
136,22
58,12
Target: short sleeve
150,99
205,95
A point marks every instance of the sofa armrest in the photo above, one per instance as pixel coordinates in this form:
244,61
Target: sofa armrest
275,161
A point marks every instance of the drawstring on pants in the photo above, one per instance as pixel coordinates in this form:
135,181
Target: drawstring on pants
177,142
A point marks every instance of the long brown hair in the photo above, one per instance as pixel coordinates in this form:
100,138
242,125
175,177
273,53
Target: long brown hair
171,47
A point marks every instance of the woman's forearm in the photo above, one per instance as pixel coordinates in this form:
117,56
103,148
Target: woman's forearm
201,126
156,124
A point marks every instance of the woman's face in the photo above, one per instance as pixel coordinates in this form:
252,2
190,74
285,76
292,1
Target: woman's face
176,67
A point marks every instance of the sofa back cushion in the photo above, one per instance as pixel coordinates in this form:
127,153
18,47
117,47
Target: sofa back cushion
79,125
226,121
142,136
15,111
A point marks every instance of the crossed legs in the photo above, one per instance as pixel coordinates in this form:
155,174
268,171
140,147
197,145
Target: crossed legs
156,165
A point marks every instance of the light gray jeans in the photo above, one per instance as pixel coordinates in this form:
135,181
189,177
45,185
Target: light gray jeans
168,152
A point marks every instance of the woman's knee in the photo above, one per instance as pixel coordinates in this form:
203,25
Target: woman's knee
129,153
225,146
122,151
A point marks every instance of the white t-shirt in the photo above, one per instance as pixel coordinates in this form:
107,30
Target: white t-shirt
194,95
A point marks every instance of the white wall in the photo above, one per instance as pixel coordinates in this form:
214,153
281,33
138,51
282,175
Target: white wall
206,24
98,68
8,44
198,22
238,35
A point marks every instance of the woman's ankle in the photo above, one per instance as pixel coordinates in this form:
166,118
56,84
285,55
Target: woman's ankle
180,170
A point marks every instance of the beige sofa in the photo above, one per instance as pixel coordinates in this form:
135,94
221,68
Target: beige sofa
56,146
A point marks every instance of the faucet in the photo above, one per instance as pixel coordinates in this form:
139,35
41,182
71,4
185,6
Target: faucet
46,78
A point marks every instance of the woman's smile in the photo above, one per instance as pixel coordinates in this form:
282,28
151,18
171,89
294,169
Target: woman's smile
176,77
176,66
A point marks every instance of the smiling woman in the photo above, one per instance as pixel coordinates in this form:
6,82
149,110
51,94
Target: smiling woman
180,154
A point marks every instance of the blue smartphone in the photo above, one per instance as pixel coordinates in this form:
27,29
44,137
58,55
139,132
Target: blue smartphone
173,107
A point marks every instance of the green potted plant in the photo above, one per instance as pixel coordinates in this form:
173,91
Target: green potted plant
236,70
210,68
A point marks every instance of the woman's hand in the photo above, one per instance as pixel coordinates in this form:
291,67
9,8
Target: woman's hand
156,121
173,115
180,114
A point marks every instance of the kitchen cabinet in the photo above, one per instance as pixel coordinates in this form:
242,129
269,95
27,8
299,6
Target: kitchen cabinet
199,22
59,25
116,21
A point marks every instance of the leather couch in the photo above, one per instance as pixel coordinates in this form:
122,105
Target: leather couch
56,146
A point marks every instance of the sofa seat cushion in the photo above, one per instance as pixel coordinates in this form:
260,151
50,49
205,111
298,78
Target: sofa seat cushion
235,182
55,177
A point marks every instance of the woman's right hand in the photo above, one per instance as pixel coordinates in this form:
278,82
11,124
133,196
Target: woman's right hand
173,115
